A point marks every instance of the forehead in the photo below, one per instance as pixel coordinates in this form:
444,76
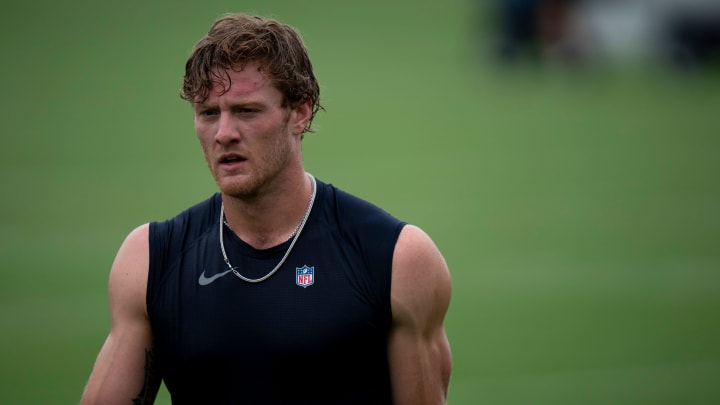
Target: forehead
248,82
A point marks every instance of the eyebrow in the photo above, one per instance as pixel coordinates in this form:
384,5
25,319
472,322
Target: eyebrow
240,103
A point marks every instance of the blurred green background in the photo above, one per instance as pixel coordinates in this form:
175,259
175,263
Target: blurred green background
577,209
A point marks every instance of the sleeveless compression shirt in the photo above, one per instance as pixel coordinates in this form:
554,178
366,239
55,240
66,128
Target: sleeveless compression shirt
313,333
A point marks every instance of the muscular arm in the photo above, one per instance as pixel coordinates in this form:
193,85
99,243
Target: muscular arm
418,348
124,371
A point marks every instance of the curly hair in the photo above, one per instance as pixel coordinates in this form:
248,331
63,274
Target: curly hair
234,40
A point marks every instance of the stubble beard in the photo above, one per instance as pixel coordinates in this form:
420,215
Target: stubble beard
261,176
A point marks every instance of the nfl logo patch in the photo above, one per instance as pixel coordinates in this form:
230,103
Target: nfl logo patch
304,276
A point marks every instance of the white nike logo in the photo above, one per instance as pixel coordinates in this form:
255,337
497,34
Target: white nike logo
207,280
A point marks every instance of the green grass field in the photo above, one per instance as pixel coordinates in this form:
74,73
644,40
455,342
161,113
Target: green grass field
578,211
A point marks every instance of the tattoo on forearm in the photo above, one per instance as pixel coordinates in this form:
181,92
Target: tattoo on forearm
151,383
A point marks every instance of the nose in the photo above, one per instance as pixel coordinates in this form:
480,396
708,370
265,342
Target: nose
227,132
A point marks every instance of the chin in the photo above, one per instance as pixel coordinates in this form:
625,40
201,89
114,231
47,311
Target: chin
237,188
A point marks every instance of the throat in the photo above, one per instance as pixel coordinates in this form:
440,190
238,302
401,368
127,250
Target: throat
263,240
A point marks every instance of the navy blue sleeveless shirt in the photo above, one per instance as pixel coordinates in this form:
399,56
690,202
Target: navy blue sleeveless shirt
313,333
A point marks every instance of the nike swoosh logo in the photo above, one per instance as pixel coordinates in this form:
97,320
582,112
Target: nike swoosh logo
207,280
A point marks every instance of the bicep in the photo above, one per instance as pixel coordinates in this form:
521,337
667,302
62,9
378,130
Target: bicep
124,370
418,348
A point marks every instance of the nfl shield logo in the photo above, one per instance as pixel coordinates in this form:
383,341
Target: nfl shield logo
304,276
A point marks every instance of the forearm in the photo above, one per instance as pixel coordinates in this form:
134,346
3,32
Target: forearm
123,374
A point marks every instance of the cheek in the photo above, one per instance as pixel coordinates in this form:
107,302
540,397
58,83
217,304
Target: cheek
203,133
206,146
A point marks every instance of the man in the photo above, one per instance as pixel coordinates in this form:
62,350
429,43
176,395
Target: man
279,289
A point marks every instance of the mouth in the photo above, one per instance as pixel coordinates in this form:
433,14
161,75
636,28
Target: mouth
231,160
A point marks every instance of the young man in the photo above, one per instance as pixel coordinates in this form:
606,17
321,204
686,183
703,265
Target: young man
279,289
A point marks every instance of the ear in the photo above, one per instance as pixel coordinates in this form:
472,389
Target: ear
300,116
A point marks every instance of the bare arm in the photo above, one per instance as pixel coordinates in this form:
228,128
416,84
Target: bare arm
124,372
418,348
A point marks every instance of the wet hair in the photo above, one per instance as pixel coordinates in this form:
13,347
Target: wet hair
233,41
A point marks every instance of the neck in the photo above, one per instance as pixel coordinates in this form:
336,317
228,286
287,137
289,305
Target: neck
270,218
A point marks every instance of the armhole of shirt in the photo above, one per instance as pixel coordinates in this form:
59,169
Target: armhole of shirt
157,243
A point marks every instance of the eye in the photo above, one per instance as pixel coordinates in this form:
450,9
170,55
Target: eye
209,112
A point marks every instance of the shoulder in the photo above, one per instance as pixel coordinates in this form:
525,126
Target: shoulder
196,216
168,239
176,233
372,231
353,212
134,248
129,271
415,247
420,278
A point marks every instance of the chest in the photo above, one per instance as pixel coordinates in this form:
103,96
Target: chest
322,303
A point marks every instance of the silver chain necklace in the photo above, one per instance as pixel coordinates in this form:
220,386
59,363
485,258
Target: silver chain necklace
294,237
